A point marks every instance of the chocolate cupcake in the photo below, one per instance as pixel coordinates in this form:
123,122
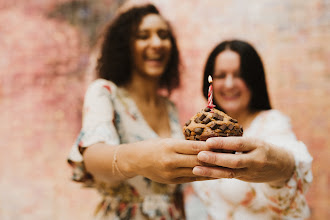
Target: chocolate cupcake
211,123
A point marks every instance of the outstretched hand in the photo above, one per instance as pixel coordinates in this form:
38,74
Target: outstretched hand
256,161
163,160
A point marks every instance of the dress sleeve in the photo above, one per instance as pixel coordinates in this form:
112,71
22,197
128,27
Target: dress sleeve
98,126
288,201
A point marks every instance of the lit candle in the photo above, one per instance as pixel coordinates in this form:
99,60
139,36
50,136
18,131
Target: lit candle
210,94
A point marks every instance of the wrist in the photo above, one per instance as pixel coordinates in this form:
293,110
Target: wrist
286,172
125,161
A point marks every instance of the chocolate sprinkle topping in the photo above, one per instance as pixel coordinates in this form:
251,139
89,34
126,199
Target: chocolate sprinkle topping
198,130
202,117
188,123
214,126
230,127
207,109
188,132
222,135
197,120
206,120
217,116
233,120
223,127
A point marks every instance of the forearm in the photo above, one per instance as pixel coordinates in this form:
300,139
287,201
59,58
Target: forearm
289,197
167,161
100,161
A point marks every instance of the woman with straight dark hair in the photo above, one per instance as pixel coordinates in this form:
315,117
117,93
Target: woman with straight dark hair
268,176
131,147
251,71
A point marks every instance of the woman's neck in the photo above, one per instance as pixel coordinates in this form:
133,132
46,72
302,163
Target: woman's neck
153,108
143,90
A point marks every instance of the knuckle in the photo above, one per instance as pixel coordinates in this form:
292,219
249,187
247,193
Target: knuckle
167,175
236,163
212,159
218,143
166,163
196,147
205,172
241,146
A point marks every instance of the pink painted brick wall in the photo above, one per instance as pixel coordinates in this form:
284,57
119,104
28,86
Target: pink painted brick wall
43,69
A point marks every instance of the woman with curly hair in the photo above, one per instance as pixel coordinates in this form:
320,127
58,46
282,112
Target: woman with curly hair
131,147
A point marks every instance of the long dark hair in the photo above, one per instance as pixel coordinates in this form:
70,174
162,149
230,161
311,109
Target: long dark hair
115,60
252,72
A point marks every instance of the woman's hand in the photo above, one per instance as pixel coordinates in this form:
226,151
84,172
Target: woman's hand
257,162
162,160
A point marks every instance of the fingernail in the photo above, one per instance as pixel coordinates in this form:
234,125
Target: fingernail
210,140
203,156
197,171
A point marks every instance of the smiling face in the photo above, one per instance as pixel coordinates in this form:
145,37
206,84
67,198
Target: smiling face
151,47
230,91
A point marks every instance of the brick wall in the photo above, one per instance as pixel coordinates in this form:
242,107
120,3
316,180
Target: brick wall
43,67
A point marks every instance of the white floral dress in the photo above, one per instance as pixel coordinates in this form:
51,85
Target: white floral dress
111,116
235,199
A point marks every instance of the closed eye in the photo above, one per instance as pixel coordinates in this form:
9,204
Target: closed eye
143,35
163,34
219,76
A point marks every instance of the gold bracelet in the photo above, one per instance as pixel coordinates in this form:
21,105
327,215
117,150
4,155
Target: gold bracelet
114,163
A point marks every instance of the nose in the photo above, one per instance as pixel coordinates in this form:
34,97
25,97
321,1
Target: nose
229,81
156,41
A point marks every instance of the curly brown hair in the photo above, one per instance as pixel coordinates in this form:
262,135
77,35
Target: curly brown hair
115,61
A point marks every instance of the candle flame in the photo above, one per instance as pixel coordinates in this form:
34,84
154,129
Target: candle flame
210,79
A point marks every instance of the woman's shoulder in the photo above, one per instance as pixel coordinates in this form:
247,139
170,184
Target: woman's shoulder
272,118
102,83
273,114
99,88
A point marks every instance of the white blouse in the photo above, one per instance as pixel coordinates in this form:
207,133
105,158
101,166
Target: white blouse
111,116
236,199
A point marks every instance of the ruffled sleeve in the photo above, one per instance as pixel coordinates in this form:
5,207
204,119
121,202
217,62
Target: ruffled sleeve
288,201
98,126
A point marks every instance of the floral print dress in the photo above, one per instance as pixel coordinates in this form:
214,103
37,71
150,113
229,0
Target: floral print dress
235,199
111,116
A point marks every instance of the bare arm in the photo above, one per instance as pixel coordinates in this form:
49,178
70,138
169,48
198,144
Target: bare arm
161,160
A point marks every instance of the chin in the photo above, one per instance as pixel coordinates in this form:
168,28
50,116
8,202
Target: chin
232,108
155,73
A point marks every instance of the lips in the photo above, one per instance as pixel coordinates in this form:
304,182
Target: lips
230,96
157,57
154,60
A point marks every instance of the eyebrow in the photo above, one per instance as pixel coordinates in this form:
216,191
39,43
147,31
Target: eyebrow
158,29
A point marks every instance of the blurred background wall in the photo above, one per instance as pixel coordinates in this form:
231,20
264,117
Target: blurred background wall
46,59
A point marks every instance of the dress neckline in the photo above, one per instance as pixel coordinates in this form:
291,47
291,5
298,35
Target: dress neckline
132,108
255,122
